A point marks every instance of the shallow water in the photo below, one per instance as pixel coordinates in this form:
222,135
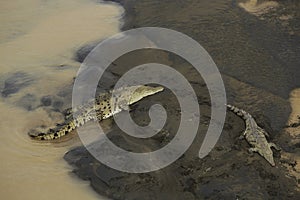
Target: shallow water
36,37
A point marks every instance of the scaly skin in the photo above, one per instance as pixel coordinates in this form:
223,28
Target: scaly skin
101,108
255,136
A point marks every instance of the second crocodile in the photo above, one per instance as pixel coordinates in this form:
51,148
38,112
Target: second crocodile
255,136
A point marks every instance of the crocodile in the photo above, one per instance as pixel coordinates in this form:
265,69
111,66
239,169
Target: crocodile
255,136
104,106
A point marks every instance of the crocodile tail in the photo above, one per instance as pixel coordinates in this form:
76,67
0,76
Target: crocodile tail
239,112
58,132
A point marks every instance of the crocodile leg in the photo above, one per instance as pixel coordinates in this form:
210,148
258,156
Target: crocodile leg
67,113
241,137
275,146
252,150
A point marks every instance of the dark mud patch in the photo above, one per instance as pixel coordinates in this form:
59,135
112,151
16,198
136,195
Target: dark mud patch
228,172
28,102
16,82
57,102
243,46
83,51
47,100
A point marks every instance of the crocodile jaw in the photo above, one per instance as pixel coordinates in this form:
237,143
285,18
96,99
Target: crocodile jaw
267,153
143,91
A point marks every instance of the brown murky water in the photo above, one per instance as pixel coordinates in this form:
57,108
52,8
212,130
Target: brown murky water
36,36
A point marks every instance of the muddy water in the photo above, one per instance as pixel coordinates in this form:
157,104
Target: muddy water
36,36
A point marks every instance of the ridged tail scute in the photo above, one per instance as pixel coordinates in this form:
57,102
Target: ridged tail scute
240,112
56,133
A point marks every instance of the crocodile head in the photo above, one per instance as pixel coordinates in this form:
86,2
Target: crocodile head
143,91
267,153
